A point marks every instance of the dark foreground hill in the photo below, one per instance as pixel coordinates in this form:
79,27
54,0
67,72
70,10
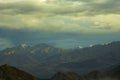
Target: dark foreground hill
66,76
113,74
11,73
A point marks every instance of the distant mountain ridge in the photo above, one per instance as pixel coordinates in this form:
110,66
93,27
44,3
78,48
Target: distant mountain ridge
45,60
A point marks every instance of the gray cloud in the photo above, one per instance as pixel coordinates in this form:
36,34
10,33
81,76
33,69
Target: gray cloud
58,22
60,7
75,16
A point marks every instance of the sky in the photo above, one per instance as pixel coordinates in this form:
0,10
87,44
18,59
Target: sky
62,23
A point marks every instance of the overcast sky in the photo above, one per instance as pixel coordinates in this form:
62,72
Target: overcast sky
59,22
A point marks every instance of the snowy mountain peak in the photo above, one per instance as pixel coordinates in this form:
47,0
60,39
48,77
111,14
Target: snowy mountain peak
24,45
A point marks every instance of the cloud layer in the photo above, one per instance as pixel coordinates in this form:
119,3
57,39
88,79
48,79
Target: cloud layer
69,16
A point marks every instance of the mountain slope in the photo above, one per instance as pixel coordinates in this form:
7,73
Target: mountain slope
113,74
66,76
11,73
27,55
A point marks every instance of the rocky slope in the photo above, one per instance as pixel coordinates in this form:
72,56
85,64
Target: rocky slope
11,73
113,74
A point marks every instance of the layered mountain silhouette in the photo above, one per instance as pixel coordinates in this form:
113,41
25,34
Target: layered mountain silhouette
113,74
45,60
66,76
11,73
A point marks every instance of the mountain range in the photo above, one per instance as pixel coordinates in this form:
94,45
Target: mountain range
44,60
11,73
113,74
